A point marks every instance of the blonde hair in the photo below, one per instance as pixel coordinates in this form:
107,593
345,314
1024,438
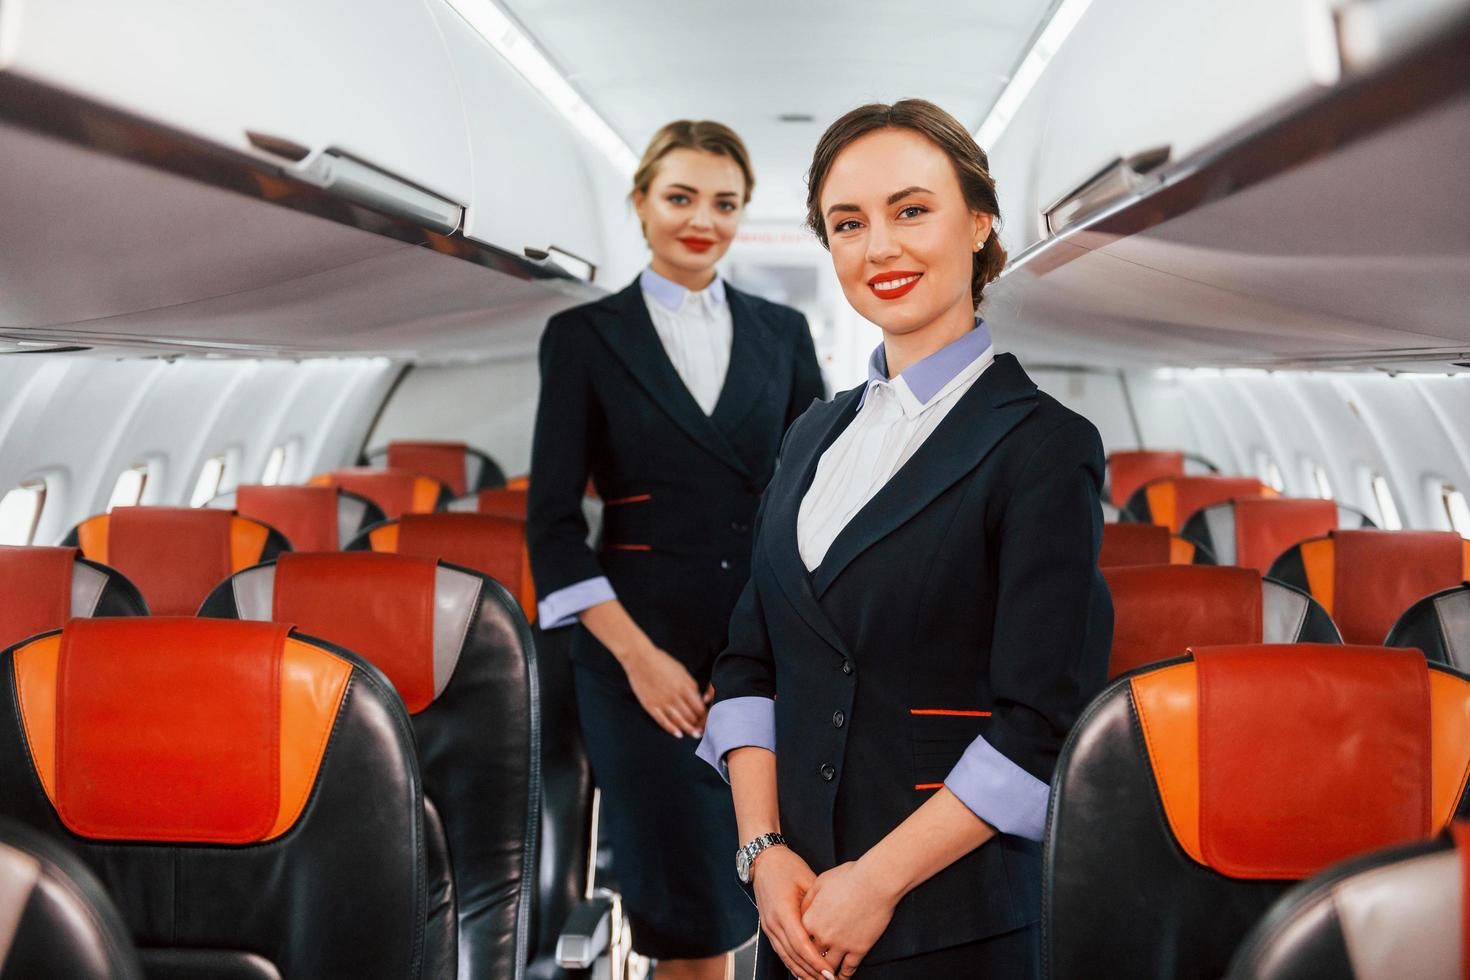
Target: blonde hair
690,134
944,131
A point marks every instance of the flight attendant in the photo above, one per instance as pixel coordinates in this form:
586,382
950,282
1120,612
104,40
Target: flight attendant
925,619
673,395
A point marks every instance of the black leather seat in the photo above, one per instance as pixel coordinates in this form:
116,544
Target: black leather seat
248,795
460,654
56,921
311,518
44,587
175,555
1192,794
463,468
1253,531
1393,913
1172,500
1438,624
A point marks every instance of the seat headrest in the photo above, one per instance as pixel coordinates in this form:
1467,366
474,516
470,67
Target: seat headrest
175,555
395,491
496,503
1160,611
493,546
1274,761
1267,526
307,516
177,729
37,586
1127,471
1171,500
444,461
1145,544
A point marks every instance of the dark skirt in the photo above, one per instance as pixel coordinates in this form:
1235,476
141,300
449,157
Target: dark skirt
670,821
1014,955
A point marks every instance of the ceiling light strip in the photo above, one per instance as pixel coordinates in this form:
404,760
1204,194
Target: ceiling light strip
525,56
1047,43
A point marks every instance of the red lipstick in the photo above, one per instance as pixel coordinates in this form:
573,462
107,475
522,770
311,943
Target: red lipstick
892,285
697,244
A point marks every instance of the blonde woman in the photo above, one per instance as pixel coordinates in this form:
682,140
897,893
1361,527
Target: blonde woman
672,395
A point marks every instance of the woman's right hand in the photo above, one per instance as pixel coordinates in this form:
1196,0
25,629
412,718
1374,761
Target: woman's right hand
781,880
666,691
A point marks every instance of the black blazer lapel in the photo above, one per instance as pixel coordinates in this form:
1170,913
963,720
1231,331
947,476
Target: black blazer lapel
628,332
778,533
1000,399
751,351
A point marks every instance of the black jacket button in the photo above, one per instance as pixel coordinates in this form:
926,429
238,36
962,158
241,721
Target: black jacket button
838,718
827,772
847,667
725,564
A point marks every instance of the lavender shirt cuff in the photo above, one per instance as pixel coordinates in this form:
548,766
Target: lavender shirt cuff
561,607
1000,792
736,724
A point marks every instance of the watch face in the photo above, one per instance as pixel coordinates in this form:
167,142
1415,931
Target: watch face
742,866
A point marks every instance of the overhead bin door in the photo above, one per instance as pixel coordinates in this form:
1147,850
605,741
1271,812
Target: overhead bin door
368,78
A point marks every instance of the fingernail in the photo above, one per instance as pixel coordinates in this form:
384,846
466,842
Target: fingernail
699,734
678,734
828,975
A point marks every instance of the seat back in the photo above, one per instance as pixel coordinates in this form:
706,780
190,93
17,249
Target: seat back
1148,544
56,920
1193,793
250,795
396,492
1253,532
1160,611
462,468
1398,912
1438,624
44,587
493,546
1130,469
1366,579
1172,500
312,518
498,503
461,657
175,555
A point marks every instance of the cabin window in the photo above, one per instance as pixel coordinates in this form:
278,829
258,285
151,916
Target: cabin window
1269,472
1456,509
211,475
1388,511
1317,479
279,462
128,490
20,512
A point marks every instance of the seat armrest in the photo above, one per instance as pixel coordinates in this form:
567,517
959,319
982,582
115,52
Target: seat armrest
588,931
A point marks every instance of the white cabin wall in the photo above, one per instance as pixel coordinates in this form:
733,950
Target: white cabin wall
76,422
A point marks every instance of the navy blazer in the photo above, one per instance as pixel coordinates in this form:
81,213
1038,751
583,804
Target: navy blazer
680,488
969,583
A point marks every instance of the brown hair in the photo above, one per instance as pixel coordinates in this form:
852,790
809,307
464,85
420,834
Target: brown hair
689,134
944,131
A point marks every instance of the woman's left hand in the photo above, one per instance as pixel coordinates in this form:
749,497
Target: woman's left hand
845,912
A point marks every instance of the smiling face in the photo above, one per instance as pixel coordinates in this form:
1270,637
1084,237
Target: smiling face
902,238
690,213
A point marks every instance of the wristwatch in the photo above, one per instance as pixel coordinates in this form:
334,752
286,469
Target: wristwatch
745,857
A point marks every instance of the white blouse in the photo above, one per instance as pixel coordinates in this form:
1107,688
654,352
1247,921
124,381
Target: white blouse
696,330
894,418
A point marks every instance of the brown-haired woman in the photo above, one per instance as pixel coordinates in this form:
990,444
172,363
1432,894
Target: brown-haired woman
673,395
925,597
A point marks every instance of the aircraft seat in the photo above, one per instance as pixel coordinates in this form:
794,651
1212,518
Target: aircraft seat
462,468
175,555
1159,611
1172,500
1438,624
1111,514
58,920
311,518
1148,544
1127,470
1191,794
396,492
247,794
1366,579
456,648
493,546
44,587
500,503
1395,913
1253,531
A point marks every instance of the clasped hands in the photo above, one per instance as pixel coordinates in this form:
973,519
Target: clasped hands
820,926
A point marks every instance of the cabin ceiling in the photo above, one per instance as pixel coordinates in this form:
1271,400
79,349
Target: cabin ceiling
641,63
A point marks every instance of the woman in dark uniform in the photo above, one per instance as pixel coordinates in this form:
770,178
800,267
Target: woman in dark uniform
673,396
925,619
